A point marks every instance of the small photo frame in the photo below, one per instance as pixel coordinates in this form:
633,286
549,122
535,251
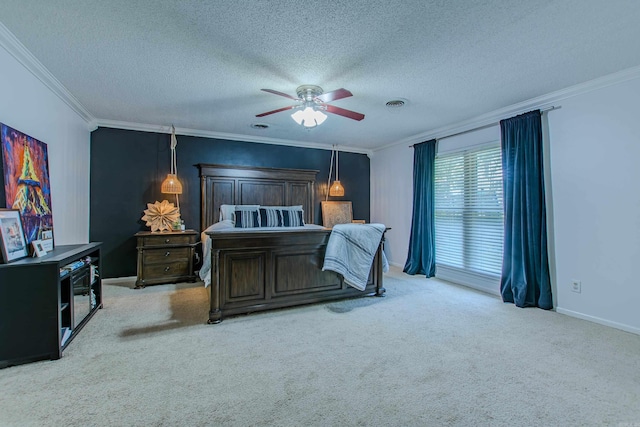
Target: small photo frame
12,242
47,239
38,248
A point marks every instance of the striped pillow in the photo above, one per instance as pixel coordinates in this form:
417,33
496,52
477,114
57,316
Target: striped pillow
292,218
270,217
247,218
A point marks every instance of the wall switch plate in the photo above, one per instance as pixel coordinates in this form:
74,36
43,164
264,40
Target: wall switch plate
576,286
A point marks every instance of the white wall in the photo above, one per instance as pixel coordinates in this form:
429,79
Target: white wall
27,105
595,149
392,198
594,203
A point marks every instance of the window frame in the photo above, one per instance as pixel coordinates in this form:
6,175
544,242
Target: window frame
475,278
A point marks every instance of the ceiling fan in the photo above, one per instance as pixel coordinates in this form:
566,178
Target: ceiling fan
312,100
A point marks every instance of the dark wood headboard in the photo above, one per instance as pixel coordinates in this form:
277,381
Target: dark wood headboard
241,185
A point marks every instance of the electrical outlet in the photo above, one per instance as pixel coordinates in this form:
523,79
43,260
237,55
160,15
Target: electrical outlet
576,286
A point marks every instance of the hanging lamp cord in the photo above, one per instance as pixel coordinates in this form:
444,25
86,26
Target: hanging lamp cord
337,164
174,165
330,172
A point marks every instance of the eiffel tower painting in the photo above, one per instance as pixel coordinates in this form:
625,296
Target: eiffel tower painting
26,182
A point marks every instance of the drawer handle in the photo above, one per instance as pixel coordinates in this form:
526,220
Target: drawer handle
167,268
167,253
167,240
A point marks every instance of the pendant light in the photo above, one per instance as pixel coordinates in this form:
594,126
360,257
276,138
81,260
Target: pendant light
336,189
171,184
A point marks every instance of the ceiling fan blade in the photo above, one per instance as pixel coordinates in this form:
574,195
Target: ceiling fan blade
334,95
346,113
275,92
277,111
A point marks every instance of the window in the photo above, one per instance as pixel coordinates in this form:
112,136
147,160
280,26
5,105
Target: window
469,213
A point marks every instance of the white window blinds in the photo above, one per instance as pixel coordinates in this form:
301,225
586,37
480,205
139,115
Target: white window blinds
469,211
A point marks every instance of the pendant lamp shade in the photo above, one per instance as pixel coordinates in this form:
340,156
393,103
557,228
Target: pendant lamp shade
171,185
336,190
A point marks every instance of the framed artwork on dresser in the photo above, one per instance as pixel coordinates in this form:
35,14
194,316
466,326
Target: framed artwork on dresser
12,242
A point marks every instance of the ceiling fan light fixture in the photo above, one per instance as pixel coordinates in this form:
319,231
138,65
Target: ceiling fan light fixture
309,117
313,101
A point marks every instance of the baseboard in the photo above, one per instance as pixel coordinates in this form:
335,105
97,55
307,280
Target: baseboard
599,320
118,279
396,268
478,281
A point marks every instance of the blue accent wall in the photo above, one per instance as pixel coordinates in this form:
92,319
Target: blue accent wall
127,168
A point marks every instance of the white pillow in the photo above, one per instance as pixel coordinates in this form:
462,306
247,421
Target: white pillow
227,212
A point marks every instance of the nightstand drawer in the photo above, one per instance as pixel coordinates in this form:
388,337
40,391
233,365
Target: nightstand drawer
157,271
165,255
168,239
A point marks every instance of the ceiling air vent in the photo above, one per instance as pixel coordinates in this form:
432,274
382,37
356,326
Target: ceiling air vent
395,103
260,126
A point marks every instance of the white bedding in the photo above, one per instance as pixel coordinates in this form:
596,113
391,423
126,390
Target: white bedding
351,250
227,226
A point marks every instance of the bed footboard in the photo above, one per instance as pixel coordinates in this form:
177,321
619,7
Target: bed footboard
266,270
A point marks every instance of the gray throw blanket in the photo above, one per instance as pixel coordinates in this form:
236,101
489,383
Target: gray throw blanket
350,251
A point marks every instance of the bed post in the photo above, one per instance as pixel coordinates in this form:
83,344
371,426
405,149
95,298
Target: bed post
203,205
380,290
215,314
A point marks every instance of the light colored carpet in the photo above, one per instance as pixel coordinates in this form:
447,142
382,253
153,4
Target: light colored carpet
428,354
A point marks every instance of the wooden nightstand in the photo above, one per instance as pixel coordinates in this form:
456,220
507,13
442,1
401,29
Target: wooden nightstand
165,257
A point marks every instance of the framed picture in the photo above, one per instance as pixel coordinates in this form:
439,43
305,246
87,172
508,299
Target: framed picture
12,241
25,162
46,238
38,248
336,213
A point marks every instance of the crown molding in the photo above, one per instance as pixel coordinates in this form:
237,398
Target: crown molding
16,49
541,102
143,127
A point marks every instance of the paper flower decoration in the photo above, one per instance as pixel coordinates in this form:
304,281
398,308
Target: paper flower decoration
160,216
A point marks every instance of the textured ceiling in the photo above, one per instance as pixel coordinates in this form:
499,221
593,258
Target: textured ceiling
200,65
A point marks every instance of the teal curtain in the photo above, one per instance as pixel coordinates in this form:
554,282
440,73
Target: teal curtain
525,265
422,248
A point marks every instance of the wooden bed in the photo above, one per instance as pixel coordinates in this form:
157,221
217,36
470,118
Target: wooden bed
257,270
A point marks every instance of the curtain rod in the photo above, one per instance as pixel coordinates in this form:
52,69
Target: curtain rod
484,126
